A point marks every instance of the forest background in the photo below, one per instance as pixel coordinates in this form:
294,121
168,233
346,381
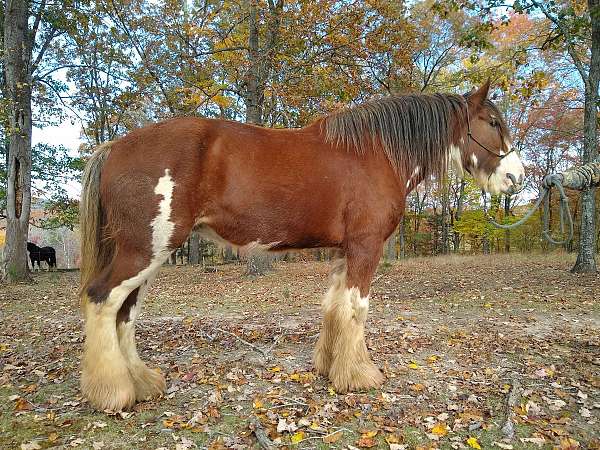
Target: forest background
110,66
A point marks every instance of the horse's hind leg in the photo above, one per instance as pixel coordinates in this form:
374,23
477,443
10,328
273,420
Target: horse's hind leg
341,351
105,379
148,383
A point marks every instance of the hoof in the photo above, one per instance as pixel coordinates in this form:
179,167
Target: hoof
108,393
361,376
148,384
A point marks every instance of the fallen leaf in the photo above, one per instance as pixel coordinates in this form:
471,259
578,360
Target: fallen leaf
32,445
283,426
366,442
22,405
534,440
440,429
568,444
472,442
297,437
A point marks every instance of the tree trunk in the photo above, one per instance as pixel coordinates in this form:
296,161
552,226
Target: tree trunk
228,254
586,261
260,67
459,210
390,248
402,239
259,264
486,244
194,257
17,51
445,222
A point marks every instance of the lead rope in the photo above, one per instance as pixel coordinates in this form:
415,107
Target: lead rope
564,211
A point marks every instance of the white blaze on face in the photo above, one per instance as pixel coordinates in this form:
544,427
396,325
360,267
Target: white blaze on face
498,182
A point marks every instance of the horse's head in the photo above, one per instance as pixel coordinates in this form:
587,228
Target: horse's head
485,149
31,246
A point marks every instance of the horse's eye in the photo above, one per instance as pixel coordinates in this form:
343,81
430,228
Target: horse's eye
494,122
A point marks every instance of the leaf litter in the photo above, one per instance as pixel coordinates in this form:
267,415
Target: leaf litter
236,352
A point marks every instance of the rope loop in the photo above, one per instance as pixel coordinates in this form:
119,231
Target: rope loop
554,180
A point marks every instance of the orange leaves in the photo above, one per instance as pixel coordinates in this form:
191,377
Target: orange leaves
22,404
367,439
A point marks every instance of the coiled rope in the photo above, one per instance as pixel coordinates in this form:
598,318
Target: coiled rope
549,181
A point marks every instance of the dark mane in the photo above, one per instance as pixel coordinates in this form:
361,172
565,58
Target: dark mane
416,129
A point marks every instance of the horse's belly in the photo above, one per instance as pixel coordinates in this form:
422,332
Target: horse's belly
271,232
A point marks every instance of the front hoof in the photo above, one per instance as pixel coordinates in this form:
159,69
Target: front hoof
349,378
114,394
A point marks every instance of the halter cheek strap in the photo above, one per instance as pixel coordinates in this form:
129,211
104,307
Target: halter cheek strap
471,137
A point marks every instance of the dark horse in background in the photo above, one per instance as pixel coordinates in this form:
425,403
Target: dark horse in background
340,182
39,254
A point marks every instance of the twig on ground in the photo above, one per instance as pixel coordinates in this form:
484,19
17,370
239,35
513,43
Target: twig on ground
264,353
275,343
243,341
513,397
261,434
293,402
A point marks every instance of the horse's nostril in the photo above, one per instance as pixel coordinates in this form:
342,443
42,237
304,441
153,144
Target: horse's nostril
512,178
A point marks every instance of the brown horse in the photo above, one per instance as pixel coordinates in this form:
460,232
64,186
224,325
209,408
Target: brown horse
340,182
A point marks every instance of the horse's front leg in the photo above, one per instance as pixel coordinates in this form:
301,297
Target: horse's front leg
341,351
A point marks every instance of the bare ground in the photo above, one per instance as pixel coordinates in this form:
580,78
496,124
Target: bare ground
464,342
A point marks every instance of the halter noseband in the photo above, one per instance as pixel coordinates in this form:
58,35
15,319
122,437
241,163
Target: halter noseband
470,135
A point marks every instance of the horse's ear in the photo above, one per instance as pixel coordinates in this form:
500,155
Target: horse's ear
478,97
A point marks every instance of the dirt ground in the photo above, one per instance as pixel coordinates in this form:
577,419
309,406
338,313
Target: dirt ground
474,349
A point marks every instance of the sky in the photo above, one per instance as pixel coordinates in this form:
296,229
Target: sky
65,134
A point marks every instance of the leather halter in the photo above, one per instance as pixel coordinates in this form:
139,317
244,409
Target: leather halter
470,135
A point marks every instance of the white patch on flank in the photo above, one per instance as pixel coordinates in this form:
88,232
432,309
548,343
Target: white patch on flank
162,227
456,160
474,160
